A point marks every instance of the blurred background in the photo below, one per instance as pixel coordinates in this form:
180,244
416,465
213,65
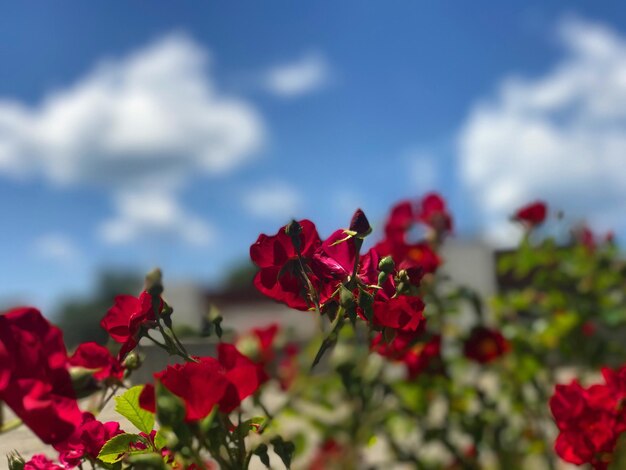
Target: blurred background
141,134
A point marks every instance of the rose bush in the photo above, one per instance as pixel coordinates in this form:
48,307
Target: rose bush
408,367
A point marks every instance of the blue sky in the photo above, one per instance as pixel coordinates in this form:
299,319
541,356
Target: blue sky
139,134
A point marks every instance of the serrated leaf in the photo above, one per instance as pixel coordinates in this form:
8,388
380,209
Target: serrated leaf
160,440
128,406
115,448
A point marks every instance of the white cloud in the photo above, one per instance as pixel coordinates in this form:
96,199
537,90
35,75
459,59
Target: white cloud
152,115
561,137
153,118
56,247
273,200
309,73
152,213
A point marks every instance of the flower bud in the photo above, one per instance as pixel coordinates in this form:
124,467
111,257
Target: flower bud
293,229
359,224
154,282
386,265
132,361
16,461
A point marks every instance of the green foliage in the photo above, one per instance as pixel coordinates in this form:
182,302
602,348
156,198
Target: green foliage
119,446
127,405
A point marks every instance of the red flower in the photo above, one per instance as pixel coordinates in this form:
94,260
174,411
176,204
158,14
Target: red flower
403,313
417,255
418,357
424,357
266,337
35,383
485,345
588,328
93,356
330,454
125,319
433,212
41,462
533,214
87,440
224,382
400,221
243,375
280,276
590,420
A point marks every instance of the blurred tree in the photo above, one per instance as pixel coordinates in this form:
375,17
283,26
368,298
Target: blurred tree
79,318
240,276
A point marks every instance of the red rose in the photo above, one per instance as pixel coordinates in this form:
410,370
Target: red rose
403,313
36,383
417,357
94,356
224,382
400,220
280,276
125,319
533,214
417,255
243,375
485,345
41,462
590,420
87,440
266,337
433,212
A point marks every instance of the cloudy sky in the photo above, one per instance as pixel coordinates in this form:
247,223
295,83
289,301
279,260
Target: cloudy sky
138,134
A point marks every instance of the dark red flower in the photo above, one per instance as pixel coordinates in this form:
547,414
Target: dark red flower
87,440
403,313
533,214
424,357
587,238
98,358
329,455
41,462
36,383
588,328
125,319
485,345
401,218
432,211
418,356
359,223
417,255
280,274
211,382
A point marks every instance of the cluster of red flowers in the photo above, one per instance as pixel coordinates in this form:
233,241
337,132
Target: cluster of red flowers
36,384
590,420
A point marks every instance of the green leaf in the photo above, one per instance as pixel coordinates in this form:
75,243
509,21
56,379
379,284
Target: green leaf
128,406
116,447
284,449
160,440
261,451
